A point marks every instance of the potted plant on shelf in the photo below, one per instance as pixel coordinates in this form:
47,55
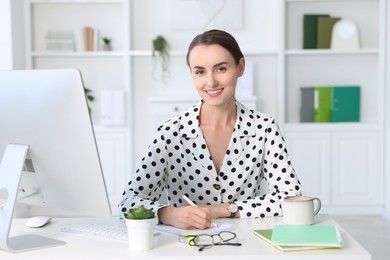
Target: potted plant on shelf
161,56
140,227
106,44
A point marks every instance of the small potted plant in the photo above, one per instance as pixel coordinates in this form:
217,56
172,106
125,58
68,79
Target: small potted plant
140,224
106,44
160,55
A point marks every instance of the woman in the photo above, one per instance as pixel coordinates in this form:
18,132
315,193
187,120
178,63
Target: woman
217,152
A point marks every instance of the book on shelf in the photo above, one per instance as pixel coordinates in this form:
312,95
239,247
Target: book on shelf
316,236
324,31
310,30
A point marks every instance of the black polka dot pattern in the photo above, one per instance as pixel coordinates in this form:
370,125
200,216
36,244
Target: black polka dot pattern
178,162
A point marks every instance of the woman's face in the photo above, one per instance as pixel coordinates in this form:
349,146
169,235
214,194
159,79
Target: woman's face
215,73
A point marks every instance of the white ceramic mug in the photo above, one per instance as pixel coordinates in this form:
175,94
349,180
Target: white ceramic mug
299,210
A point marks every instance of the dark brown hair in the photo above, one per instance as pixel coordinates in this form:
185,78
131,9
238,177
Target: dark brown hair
219,37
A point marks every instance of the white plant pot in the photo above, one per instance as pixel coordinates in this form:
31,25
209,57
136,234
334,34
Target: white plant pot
140,233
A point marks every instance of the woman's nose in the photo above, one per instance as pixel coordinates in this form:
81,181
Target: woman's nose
211,81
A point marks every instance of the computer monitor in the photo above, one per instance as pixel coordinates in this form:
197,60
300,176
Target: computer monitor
48,148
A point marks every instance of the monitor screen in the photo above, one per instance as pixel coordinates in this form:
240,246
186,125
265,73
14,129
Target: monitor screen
47,111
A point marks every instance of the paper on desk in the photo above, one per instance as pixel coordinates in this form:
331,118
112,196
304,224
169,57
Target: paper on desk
212,230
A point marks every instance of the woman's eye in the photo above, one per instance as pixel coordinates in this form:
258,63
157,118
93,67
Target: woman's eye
199,72
221,69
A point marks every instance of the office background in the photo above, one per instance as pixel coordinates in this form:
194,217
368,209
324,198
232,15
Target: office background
345,164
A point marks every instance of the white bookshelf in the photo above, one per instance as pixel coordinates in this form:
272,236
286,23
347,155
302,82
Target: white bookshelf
340,162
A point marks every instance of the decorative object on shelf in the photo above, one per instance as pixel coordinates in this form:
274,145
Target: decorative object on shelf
322,31
60,40
106,44
91,36
345,35
140,224
112,107
89,96
161,56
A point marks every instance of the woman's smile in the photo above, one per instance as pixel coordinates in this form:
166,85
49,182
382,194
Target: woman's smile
214,92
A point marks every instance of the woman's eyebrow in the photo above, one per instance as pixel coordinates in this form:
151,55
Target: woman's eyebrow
215,66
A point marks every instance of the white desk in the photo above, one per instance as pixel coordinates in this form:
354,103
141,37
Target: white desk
167,247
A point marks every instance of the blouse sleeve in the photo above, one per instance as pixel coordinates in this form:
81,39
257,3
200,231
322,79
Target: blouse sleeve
279,174
148,183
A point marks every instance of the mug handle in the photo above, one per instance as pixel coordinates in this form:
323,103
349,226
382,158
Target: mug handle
318,206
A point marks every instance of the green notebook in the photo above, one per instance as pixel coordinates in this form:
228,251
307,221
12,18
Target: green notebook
322,104
266,235
313,235
345,104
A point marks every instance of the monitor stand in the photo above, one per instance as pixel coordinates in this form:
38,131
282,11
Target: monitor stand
11,168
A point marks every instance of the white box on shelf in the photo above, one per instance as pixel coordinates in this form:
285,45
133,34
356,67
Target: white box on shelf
112,108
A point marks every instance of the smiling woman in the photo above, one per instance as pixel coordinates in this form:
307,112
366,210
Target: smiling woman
215,153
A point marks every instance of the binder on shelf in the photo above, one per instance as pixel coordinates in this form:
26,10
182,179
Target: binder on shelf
345,104
307,104
322,104
324,31
310,30
311,235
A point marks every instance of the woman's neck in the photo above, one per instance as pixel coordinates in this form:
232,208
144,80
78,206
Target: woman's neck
219,116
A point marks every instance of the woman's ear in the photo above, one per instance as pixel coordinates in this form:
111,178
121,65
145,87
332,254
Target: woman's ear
241,67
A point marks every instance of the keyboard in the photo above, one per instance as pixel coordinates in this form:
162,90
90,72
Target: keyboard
114,232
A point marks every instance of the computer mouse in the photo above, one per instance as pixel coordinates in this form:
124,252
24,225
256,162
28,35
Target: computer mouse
38,221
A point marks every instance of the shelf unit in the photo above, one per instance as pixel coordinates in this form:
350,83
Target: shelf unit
340,162
272,40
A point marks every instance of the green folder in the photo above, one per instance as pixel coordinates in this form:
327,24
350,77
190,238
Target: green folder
324,31
310,30
345,104
322,104
313,235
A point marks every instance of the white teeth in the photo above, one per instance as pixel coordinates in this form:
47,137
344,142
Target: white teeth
214,91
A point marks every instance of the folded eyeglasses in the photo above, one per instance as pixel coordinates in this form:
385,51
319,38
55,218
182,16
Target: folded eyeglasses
204,241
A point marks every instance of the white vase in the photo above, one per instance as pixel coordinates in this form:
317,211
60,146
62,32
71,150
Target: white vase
140,233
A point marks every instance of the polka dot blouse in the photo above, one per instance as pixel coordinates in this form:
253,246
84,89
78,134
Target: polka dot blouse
178,162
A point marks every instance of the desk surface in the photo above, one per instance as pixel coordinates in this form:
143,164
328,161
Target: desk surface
166,246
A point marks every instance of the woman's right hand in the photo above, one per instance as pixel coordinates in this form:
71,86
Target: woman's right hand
186,217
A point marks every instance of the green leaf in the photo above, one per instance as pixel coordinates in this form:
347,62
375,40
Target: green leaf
139,213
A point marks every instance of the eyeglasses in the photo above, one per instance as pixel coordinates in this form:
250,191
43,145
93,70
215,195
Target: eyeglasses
204,241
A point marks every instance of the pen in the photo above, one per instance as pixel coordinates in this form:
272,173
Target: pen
193,204
189,201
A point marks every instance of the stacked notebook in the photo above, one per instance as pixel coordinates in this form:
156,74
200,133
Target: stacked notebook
298,238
